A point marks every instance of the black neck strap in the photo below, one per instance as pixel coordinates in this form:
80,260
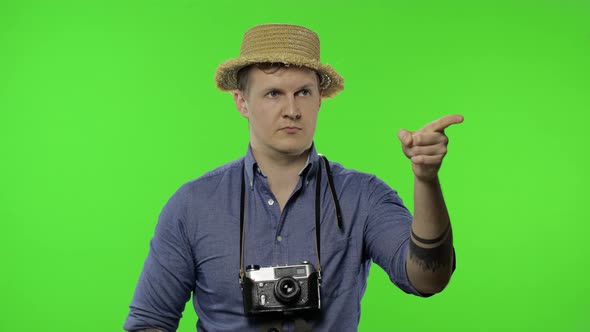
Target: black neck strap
317,219
317,212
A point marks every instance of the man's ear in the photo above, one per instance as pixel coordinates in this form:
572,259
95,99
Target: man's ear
240,102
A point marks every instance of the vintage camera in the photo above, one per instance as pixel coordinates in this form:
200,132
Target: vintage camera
281,289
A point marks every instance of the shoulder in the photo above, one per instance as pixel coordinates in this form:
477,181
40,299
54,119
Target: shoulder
348,175
338,170
365,184
213,178
206,185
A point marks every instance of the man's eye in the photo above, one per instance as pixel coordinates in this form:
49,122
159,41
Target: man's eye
273,93
305,92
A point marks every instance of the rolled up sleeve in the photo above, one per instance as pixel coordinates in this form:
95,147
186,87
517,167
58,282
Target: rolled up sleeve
387,233
168,274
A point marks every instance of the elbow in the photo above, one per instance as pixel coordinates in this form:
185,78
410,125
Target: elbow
430,288
429,270
428,281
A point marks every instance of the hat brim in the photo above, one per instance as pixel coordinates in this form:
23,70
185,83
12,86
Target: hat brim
227,72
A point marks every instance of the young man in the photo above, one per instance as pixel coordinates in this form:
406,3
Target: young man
283,204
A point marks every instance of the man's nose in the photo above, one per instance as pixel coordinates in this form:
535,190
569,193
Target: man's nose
292,109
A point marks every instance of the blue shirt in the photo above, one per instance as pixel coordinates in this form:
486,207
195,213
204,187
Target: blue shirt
195,248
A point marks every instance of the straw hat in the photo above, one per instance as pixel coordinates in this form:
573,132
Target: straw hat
280,43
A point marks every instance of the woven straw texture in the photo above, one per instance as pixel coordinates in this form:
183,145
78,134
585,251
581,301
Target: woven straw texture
280,43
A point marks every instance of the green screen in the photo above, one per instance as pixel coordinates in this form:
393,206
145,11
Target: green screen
107,107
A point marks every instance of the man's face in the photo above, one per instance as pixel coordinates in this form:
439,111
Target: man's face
281,108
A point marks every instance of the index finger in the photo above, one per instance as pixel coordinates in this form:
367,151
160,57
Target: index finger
444,122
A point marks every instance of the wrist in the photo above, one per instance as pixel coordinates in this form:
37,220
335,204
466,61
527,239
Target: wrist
426,181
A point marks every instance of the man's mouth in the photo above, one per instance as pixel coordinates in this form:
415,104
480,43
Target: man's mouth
290,130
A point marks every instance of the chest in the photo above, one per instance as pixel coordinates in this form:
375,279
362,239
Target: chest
272,238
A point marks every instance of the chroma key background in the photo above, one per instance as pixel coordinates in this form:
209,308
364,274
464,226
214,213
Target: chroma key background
107,107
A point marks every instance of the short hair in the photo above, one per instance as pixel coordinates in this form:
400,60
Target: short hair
266,67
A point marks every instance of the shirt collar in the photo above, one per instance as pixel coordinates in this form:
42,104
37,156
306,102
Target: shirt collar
307,171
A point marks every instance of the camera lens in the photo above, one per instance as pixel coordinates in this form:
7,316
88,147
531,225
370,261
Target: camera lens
287,290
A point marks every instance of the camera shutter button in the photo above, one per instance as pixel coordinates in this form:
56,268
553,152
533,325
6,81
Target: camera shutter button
252,267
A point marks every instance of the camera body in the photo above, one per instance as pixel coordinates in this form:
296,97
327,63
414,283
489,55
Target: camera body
281,289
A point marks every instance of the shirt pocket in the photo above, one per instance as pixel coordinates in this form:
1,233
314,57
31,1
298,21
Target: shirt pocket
340,265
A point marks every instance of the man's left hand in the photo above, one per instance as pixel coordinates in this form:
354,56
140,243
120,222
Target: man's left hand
427,147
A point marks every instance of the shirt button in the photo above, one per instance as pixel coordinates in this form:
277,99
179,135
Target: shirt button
279,238
271,202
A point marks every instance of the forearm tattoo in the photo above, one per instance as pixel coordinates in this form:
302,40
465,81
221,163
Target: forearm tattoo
432,254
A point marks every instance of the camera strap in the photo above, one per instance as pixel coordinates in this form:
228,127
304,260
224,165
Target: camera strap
317,212
317,220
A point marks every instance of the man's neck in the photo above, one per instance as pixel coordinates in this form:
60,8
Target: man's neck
282,171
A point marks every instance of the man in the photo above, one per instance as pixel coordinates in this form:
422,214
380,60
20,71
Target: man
259,210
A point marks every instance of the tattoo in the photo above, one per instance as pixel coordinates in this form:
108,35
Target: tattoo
432,254
429,241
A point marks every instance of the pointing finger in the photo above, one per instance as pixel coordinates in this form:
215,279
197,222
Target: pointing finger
444,122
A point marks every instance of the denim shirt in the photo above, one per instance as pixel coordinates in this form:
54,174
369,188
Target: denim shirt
195,248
